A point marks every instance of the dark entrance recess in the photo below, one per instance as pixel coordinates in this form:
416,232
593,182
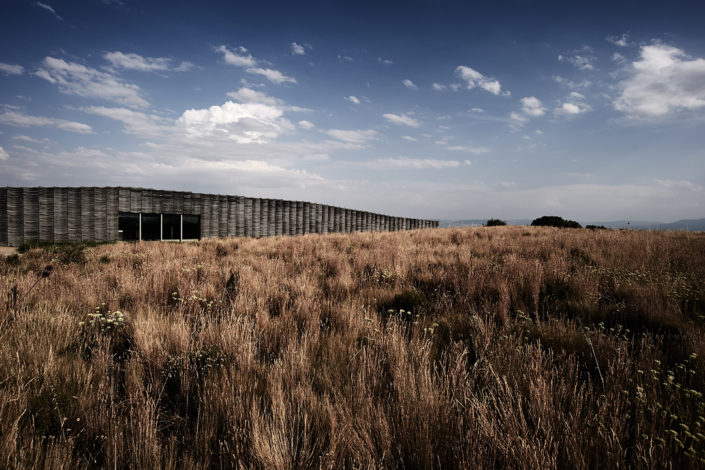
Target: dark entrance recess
129,227
192,227
151,227
158,226
171,227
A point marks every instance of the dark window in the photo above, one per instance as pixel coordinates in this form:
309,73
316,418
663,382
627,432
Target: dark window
192,227
128,226
151,227
171,227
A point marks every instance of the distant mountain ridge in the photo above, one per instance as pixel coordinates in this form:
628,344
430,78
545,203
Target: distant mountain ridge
692,225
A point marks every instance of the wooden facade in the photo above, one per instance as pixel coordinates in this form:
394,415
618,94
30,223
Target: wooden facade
91,214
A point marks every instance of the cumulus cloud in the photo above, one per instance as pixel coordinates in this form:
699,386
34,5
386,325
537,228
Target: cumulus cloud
14,118
137,62
581,59
384,61
135,122
248,95
244,123
409,84
662,81
575,104
438,86
353,99
517,117
473,79
403,119
572,84
77,79
3,154
11,69
297,49
355,137
409,138
532,106
405,163
306,124
240,57
274,76
621,41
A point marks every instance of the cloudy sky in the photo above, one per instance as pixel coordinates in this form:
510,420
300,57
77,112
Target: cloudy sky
444,110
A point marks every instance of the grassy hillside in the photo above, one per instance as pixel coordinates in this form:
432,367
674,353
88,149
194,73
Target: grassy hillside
448,348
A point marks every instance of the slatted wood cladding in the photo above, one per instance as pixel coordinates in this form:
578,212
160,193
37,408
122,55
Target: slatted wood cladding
91,213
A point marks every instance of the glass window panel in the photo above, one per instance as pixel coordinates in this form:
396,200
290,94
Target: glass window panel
171,227
128,226
192,227
151,225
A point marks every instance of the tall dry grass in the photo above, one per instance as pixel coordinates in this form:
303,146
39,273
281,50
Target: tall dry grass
447,348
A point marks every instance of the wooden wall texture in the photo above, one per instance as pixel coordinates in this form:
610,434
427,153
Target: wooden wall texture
87,214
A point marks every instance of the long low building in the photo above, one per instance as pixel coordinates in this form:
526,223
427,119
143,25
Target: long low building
119,213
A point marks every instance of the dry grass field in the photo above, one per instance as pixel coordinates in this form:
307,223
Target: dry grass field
503,347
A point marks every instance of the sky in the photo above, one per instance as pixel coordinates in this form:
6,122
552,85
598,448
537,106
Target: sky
430,109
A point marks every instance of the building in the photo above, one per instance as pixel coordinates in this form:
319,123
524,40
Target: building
119,213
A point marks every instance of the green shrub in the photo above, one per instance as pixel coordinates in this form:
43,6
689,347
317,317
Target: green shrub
554,221
495,223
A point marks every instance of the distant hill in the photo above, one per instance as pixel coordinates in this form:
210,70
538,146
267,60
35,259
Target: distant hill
693,225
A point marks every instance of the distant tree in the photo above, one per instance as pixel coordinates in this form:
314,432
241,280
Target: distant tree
554,221
596,227
495,223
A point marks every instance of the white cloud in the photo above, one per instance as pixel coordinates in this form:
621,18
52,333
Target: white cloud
77,79
572,84
662,81
621,41
473,79
297,49
244,123
14,118
409,84
248,95
135,122
619,58
274,76
134,61
242,58
409,138
570,108
239,57
439,86
356,137
3,154
384,61
403,119
306,124
345,58
405,163
11,69
477,110
581,59
352,99
532,106
50,9
26,138
519,118
467,149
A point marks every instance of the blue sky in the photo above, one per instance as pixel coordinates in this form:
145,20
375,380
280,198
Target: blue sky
443,110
